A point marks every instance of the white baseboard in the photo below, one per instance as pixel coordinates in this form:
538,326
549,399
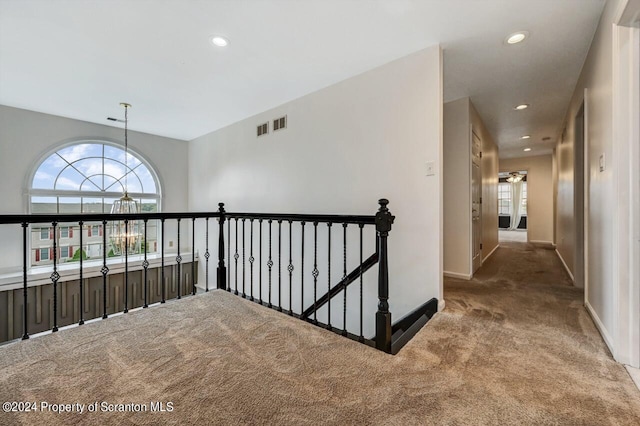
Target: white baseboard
457,275
543,243
565,266
635,375
603,331
441,305
492,251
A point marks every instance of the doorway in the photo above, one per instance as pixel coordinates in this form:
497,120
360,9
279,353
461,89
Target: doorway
512,207
579,201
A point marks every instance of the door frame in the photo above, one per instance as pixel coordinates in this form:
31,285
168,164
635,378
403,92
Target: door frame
581,235
472,132
626,149
585,197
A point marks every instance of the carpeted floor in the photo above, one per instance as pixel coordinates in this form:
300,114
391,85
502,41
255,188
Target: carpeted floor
513,346
518,236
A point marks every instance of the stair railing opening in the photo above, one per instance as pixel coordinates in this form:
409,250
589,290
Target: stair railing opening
309,266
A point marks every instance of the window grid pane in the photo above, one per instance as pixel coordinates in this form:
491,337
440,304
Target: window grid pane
96,172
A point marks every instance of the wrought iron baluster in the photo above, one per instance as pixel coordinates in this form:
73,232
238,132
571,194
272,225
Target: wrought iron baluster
315,271
344,277
163,300
178,261
243,259
25,311
81,289
229,255
235,257
193,256
260,262
302,270
126,266
361,294
104,270
280,265
329,276
206,255
145,265
55,276
251,258
270,264
290,269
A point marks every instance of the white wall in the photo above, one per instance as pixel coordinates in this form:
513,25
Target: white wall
459,117
604,262
26,136
539,194
345,147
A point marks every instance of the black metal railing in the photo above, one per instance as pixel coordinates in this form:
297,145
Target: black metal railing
273,281
260,280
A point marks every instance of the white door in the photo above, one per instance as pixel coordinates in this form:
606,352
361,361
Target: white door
476,203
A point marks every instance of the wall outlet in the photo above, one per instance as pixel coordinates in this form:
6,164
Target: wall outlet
170,243
431,168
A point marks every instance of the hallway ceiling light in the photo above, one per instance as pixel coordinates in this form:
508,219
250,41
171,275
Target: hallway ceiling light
517,37
527,149
521,107
525,137
219,41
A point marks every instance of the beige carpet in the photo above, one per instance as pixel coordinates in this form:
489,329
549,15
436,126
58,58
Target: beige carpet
513,346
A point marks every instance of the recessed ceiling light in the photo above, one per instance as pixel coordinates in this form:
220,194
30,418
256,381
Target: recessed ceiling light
521,107
525,137
219,41
517,37
527,149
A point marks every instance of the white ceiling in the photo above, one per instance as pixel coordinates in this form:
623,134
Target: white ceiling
79,58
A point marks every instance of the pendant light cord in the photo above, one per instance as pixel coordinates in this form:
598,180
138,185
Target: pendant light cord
126,147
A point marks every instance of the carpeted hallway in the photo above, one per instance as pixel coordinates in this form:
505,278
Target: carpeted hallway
514,346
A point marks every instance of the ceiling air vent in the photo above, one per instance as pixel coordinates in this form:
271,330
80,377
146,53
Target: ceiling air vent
280,123
263,129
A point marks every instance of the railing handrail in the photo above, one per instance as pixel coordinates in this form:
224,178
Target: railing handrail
308,218
7,219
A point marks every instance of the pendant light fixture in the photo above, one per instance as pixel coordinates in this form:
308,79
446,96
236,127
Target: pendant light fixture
125,236
515,177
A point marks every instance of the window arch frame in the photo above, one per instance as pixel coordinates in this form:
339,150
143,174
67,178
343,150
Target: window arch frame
30,191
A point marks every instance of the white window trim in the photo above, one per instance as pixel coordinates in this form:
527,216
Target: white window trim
36,192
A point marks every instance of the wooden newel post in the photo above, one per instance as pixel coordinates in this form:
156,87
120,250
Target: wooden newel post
222,270
384,220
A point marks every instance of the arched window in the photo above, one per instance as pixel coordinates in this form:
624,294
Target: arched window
87,177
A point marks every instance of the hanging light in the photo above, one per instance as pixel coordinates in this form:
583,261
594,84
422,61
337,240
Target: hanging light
125,236
515,177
